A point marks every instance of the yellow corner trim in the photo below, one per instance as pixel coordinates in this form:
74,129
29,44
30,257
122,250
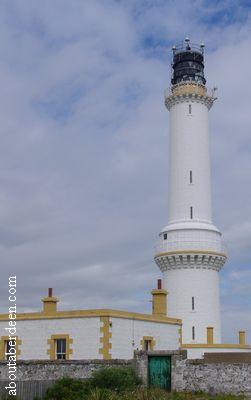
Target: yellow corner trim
94,313
180,337
106,335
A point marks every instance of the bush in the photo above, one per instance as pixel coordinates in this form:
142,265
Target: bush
68,389
117,379
118,384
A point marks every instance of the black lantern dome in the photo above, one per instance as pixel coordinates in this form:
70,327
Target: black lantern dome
188,63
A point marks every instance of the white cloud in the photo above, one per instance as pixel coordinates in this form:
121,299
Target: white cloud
83,155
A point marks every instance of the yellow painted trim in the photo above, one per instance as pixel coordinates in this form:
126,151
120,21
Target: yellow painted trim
150,339
215,346
159,302
159,291
49,305
52,345
210,335
3,340
93,313
50,299
189,88
167,253
242,338
180,336
106,335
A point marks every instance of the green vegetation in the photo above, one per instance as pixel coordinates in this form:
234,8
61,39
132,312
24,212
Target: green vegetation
103,384
69,389
118,384
116,379
154,394
138,394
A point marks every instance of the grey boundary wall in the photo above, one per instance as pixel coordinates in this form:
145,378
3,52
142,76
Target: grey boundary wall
35,376
228,373
217,373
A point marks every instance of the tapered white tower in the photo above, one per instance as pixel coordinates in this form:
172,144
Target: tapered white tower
190,253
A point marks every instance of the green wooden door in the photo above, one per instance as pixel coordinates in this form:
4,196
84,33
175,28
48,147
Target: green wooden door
159,372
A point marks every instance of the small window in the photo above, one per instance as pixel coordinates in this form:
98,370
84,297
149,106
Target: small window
8,349
190,108
147,345
60,348
191,177
191,212
193,303
165,236
193,333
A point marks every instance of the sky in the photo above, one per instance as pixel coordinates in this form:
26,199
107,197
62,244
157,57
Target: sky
84,147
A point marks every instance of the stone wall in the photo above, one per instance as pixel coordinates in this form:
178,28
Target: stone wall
34,377
219,373
199,375
51,370
195,375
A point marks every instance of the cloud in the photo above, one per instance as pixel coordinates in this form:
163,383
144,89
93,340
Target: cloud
84,149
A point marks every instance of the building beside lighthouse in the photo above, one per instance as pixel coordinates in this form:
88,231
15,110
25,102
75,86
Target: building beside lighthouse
190,255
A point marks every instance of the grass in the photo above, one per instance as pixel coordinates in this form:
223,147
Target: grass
153,394
136,394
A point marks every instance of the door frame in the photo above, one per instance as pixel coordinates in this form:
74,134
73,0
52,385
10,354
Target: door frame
141,366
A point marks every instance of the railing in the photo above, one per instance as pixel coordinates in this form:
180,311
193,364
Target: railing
197,86
181,245
193,47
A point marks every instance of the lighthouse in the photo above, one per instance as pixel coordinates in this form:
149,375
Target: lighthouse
190,251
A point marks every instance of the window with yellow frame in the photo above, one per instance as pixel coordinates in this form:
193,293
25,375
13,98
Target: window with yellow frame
147,343
59,347
9,347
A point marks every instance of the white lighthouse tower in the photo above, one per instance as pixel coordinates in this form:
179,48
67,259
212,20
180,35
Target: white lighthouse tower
190,253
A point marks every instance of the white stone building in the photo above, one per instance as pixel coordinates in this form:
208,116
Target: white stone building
190,256
90,334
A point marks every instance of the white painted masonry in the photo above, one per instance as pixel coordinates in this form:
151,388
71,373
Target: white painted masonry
34,334
193,353
189,151
120,335
190,251
204,285
128,333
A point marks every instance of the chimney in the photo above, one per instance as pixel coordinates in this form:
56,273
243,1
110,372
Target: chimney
210,335
49,303
242,337
159,300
